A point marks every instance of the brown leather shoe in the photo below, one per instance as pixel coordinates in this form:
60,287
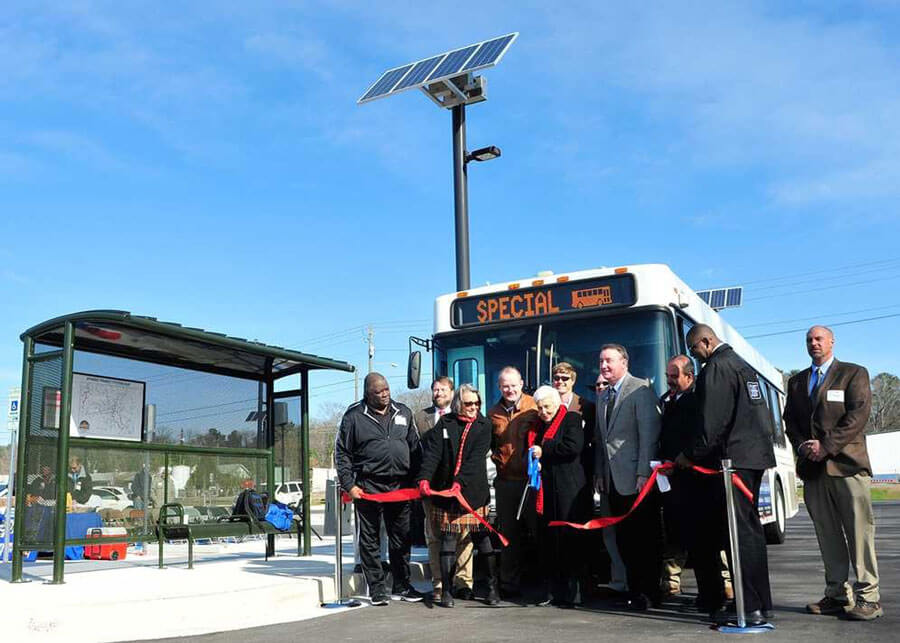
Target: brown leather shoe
828,607
864,611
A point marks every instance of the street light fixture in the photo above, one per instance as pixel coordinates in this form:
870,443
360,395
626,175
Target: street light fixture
484,154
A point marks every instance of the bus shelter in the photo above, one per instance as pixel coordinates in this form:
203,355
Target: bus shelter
121,414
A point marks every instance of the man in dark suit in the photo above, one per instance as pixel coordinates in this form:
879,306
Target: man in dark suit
441,397
825,415
686,521
626,441
736,425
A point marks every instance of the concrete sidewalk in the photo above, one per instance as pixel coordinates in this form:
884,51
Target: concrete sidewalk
231,587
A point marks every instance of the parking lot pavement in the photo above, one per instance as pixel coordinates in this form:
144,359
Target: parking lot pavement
797,578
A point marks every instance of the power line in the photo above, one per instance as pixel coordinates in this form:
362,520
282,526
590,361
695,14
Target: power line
821,271
831,287
819,279
797,330
815,317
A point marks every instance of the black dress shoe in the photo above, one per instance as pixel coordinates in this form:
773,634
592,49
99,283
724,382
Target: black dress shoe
464,594
725,616
638,603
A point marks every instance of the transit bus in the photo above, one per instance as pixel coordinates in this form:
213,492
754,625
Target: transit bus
535,323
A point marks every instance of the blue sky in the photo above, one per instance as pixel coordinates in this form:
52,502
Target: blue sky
206,163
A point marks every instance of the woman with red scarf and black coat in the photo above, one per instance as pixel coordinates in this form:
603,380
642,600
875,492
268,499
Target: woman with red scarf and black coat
564,495
455,452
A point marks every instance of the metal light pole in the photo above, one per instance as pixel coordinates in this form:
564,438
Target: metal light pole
461,197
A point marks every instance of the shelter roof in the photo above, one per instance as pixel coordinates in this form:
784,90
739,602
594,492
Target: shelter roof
147,339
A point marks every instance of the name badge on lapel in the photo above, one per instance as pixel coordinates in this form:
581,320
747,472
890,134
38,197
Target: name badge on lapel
400,421
834,395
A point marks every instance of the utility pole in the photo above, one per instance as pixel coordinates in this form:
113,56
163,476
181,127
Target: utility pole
370,336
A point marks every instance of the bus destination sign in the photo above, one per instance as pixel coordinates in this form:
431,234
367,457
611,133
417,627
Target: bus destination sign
541,301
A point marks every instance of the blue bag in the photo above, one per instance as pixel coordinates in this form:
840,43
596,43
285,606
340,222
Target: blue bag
279,515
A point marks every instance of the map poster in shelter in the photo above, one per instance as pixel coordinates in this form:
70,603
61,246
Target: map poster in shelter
106,407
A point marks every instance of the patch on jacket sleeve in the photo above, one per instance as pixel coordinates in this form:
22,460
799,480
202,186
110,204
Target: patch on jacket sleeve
754,391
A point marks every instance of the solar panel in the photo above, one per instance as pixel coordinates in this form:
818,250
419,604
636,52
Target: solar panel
383,85
734,297
488,53
434,69
719,298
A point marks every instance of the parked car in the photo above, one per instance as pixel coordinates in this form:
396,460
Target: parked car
290,492
212,514
112,498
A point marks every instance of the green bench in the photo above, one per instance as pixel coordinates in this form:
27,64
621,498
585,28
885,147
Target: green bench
171,526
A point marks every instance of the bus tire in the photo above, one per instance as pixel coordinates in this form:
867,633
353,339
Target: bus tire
775,529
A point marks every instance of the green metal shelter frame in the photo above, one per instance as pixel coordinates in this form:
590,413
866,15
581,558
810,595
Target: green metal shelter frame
146,339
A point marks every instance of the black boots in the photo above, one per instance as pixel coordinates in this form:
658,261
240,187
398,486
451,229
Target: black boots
448,561
493,597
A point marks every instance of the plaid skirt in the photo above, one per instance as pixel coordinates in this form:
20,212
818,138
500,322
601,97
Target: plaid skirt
456,519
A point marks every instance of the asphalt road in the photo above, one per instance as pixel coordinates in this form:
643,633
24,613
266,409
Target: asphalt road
796,573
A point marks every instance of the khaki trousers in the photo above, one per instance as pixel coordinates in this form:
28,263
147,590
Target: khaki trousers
841,511
464,551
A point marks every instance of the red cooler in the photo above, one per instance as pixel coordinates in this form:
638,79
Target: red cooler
106,551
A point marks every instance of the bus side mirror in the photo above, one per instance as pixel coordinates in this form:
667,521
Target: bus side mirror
413,370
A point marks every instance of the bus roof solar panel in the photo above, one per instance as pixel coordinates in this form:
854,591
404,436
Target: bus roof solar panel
386,83
704,295
453,62
442,67
734,296
489,53
419,72
717,298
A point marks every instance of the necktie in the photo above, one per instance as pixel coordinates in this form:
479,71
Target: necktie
816,380
610,404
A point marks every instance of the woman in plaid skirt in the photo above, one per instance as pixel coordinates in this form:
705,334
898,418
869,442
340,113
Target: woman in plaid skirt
455,452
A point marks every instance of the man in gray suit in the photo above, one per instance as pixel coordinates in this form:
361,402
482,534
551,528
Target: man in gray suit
627,439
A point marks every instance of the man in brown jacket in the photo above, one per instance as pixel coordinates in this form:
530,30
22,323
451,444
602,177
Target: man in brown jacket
825,415
511,417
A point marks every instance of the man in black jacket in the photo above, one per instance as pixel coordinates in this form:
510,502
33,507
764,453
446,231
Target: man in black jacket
377,450
687,521
736,425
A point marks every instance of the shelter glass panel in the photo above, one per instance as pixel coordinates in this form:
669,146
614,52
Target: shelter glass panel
42,421
181,406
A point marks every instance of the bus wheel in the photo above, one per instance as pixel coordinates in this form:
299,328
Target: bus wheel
775,529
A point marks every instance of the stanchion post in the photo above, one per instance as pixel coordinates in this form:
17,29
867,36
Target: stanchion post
338,551
338,544
736,580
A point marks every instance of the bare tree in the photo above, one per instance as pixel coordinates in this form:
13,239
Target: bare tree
885,414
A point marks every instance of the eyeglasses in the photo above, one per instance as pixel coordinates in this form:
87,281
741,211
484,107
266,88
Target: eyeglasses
564,378
692,346
601,385
475,403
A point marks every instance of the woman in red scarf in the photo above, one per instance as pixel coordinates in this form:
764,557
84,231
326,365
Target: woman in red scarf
455,452
564,495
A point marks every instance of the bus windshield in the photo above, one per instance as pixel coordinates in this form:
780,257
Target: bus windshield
477,356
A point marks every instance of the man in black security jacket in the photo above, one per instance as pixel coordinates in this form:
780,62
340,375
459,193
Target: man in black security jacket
377,450
736,425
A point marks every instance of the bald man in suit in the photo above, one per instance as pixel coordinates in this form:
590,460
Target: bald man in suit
825,416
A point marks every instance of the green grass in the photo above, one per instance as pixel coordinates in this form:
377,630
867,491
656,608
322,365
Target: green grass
880,492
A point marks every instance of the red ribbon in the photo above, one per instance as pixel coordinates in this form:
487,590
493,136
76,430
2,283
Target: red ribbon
404,495
600,523
549,434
